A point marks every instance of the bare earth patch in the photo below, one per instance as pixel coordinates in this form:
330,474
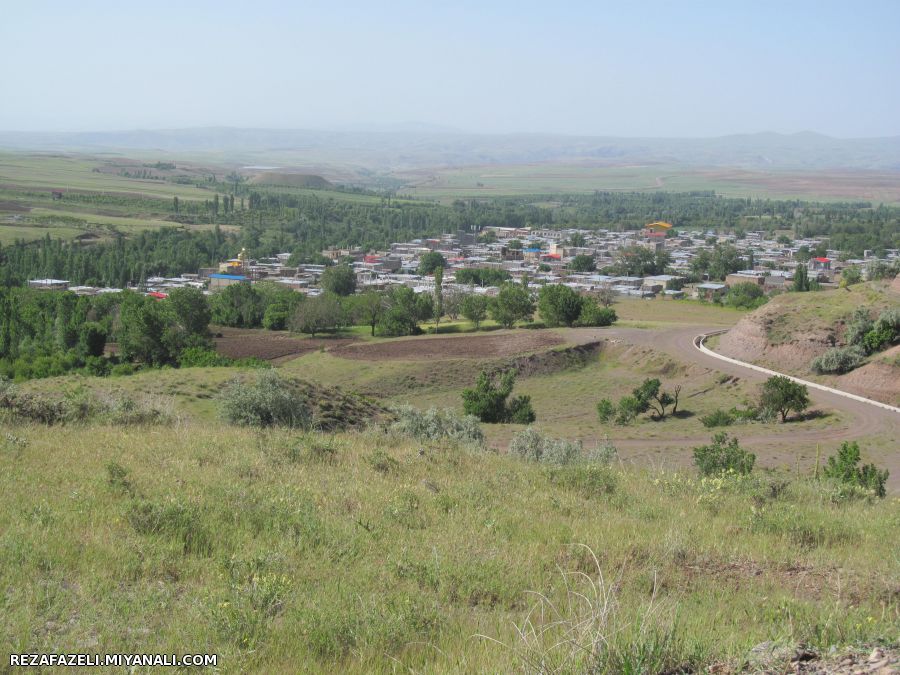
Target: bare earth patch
239,343
465,347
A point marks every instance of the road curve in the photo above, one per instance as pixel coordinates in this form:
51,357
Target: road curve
859,419
699,343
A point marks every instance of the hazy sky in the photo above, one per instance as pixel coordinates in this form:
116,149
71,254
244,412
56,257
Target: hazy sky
607,68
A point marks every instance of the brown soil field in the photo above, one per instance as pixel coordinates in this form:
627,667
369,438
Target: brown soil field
14,207
861,184
475,347
239,343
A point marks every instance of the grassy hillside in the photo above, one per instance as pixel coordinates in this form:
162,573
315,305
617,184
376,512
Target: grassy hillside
284,551
792,329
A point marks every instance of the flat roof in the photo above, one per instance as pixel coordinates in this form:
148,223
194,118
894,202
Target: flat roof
236,277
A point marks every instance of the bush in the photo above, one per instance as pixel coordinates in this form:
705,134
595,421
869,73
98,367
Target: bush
839,360
722,456
717,418
122,369
436,425
860,324
593,315
269,401
877,338
533,446
844,468
82,405
200,357
520,411
606,410
487,401
745,295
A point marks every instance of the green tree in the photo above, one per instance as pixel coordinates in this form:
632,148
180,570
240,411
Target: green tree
237,305
559,305
368,308
782,395
192,313
475,308
850,276
513,303
577,239
801,280
582,263
401,316
318,314
340,280
143,333
430,261
91,339
438,296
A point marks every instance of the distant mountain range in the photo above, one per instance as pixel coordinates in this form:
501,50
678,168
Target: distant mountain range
393,150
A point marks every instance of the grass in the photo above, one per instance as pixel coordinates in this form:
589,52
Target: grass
75,172
660,313
278,557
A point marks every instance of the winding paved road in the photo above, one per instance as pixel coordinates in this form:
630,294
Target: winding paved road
859,419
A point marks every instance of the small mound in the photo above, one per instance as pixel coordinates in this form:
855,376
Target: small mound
336,410
303,180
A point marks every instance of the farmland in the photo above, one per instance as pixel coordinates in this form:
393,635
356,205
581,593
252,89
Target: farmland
548,178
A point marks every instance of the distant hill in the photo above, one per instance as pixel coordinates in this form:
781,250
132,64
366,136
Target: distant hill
304,180
410,149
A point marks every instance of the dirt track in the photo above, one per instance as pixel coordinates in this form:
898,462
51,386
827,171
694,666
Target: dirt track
862,419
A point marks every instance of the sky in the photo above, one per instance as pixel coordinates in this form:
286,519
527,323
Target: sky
624,68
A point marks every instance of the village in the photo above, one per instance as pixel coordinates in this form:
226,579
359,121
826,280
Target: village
542,256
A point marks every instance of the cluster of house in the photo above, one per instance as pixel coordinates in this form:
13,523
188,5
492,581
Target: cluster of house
542,255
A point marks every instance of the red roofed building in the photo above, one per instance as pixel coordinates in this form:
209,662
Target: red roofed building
819,264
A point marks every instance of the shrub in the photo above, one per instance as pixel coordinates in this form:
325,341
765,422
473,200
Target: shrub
592,314
122,409
839,360
877,338
487,401
860,324
606,410
533,446
745,295
436,425
723,455
717,418
520,411
382,462
605,453
629,408
844,468
122,369
269,401
201,357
